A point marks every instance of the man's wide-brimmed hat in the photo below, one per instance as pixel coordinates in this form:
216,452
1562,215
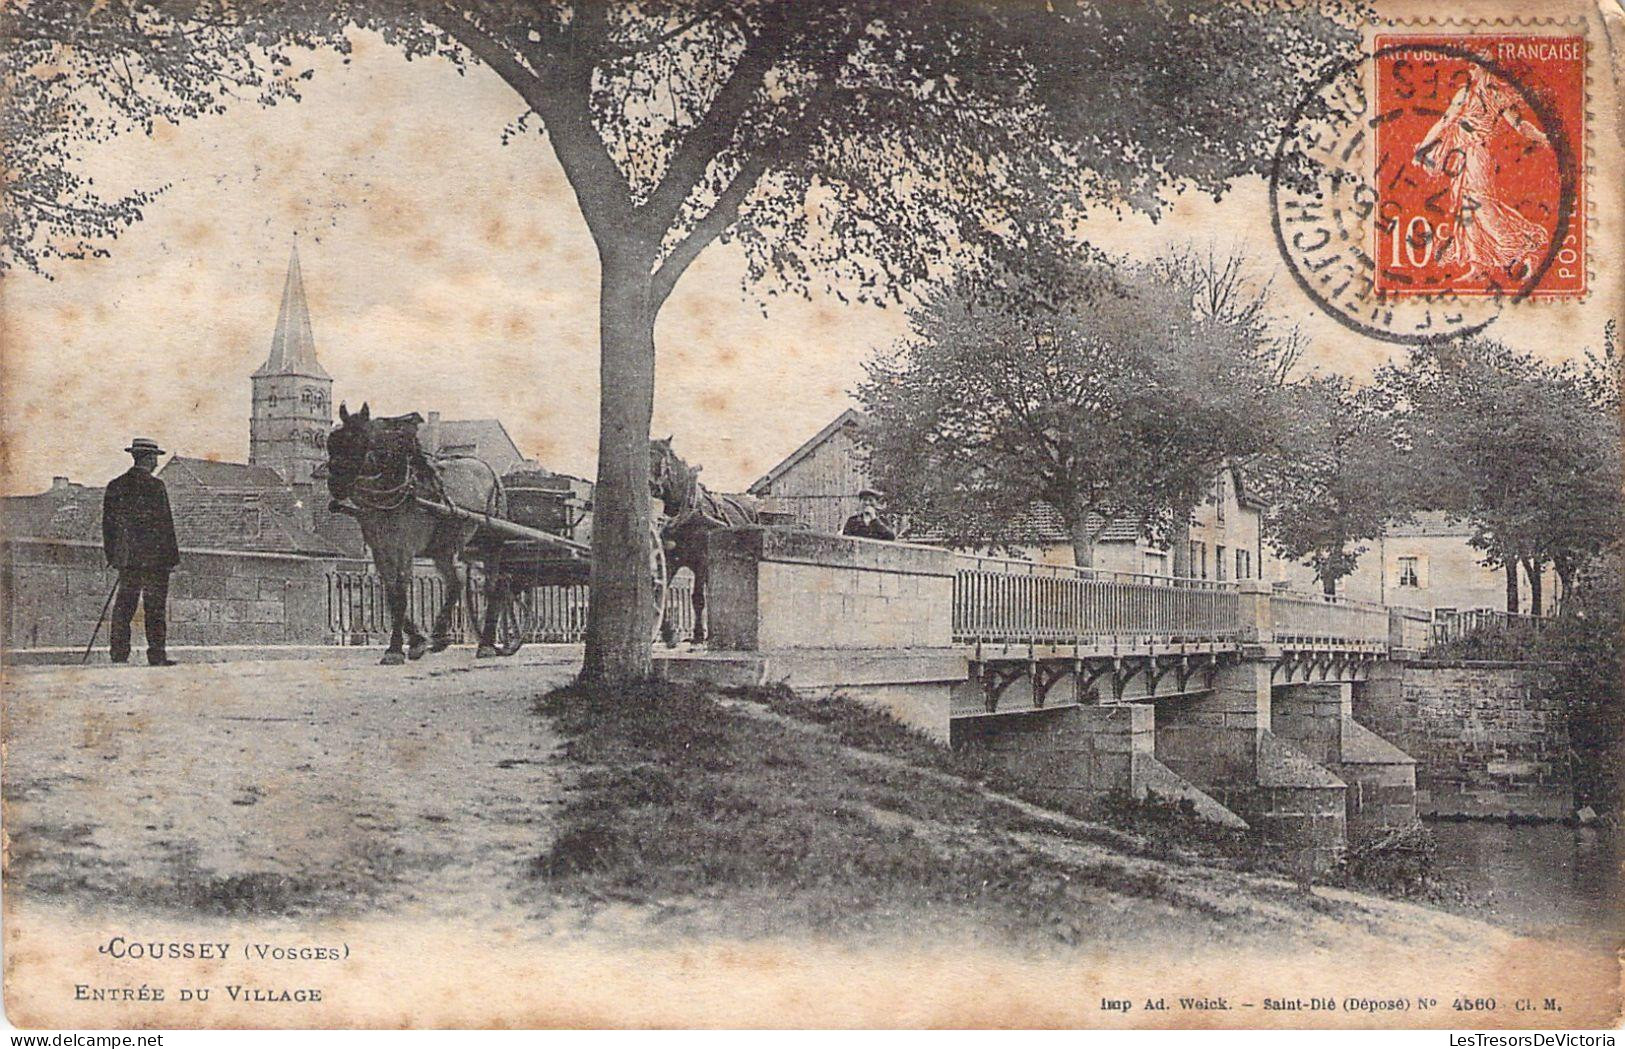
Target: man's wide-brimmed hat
144,446
870,493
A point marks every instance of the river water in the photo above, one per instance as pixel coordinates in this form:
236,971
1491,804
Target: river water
1541,879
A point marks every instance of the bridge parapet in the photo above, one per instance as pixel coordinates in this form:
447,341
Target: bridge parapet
774,589
1008,605
1314,620
1007,602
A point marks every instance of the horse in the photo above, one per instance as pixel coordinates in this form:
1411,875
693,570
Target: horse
692,512
377,467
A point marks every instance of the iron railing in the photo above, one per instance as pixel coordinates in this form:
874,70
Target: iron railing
1484,622
358,614
1317,619
1022,602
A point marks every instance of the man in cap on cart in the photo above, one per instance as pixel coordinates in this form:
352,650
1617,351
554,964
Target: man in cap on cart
867,522
138,537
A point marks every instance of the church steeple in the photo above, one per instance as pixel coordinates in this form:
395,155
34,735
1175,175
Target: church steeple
293,404
293,347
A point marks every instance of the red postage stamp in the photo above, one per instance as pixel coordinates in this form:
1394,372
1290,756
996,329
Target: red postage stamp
1479,165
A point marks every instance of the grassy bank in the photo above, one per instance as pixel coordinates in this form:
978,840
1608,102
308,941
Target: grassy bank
821,814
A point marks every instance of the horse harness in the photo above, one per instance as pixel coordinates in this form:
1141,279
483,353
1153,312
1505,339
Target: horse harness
700,503
374,492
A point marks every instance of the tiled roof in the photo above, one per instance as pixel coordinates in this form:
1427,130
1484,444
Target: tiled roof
1041,524
486,439
70,512
1429,522
212,474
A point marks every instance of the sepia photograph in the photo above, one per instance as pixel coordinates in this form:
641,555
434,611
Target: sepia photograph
811,514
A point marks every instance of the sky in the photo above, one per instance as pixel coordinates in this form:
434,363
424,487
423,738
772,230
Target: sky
448,272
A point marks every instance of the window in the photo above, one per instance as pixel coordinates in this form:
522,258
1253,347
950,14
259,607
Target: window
1156,563
1244,564
1198,559
1220,493
1410,573
1220,569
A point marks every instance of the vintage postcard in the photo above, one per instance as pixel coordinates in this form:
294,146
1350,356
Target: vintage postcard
835,513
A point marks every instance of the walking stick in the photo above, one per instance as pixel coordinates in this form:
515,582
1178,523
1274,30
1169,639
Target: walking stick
99,619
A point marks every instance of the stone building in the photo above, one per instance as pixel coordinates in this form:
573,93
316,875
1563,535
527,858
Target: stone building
1428,562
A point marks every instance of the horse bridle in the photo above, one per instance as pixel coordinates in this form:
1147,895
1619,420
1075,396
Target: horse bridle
690,505
368,490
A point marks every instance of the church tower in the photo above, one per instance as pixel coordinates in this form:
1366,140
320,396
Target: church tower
293,396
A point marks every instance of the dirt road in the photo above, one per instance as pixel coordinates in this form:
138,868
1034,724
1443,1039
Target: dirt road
316,788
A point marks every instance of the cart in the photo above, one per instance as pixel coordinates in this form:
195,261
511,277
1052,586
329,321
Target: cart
532,548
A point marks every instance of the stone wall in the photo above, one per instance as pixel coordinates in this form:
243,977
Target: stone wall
1071,755
1489,739
775,589
53,591
1317,721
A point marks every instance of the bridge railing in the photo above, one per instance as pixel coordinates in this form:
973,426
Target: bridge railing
358,613
1005,600
1316,619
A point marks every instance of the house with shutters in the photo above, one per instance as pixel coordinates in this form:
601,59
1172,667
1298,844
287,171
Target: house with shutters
1426,562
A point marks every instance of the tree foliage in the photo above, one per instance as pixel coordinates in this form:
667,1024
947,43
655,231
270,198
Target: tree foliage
851,145
1122,406
1526,451
1335,480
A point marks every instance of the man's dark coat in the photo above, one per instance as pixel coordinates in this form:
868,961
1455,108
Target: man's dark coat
138,530
858,528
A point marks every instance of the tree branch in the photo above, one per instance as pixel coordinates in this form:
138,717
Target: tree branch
561,96
710,227
726,208
715,131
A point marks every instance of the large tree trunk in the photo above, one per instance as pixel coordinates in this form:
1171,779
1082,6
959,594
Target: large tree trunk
620,610
1532,569
1512,585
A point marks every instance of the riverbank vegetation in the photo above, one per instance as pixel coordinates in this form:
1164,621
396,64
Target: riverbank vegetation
821,814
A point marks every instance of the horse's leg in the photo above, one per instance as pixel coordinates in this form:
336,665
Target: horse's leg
701,577
496,592
416,643
445,563
395,597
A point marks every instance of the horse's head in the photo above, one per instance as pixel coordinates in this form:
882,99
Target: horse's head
347,450
670,479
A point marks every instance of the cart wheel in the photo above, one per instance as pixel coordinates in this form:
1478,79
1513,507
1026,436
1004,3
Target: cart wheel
657,573
516,622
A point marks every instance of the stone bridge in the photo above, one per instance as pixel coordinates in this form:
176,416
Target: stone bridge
1233,696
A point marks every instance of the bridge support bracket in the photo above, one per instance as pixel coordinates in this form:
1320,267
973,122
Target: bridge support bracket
1045,675
996,679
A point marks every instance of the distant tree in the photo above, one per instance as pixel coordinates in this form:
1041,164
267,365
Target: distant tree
1122,405
1527,452
851,144
1222,292
1335,480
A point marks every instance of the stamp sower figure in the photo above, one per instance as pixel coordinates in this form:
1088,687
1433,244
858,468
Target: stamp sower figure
867,522
138,536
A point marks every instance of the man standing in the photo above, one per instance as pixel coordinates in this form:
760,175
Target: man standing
867,522
138,536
